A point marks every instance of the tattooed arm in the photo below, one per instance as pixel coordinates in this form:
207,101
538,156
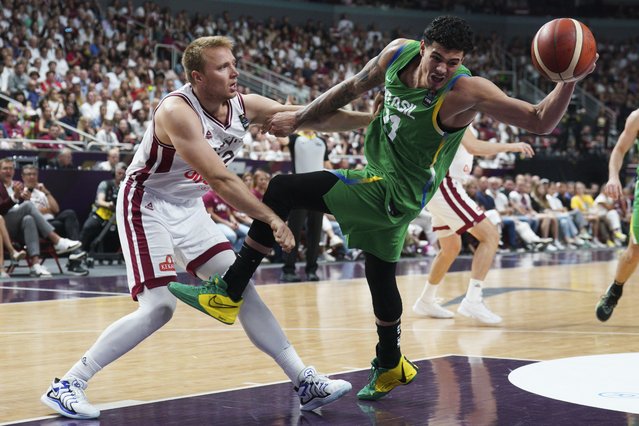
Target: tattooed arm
372,75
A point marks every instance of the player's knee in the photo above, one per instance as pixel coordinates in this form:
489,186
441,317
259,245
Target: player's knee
276,189
450,246
163,312
492,238
390,310
487,234
278,194
158,305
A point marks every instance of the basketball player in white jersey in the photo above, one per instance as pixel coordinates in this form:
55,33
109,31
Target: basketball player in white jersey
454,213
195,131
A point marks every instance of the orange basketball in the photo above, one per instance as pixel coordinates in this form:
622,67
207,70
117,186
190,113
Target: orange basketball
563,50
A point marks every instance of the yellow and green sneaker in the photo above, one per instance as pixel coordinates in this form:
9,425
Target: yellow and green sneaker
383,380
211,298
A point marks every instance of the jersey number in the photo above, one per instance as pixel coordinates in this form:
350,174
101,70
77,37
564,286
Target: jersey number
227,156
394,125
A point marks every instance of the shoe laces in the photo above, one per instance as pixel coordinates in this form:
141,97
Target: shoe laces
214,281
72,388
374,372
609,300
314,385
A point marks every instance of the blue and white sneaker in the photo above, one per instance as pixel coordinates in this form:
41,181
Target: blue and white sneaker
316,390
67,397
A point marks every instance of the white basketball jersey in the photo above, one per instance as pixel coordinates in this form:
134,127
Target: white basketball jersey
462,164
158,168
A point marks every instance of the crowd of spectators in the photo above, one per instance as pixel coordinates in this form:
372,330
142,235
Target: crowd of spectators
534,214
103,70
619,9
91,75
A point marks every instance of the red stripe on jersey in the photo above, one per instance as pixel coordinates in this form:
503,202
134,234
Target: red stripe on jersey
157,140
142,175
239,98
229,114
451,204
183,96
166,160
471,224
129,235
138,247
142,245
449,190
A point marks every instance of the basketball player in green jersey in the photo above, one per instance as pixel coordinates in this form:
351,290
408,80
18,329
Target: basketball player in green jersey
429,101
630,258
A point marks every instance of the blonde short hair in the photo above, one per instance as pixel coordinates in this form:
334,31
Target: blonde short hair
193,60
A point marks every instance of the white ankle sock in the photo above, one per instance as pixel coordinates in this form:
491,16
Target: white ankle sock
474,292
429,292
291,363
84,369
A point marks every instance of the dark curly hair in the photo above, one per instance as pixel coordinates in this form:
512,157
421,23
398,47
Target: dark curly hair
451,32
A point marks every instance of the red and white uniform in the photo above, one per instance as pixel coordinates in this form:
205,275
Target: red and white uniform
160,213
452,209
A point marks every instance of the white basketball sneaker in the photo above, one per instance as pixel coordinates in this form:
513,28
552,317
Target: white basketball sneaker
316,390
431,309
67,397
479,311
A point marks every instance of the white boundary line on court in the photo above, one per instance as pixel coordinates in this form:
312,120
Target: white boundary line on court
132,403
56,290
340,329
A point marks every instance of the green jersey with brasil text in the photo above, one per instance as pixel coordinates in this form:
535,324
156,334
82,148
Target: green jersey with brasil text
408,155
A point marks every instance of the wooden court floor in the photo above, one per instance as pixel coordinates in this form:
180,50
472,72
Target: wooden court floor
548,312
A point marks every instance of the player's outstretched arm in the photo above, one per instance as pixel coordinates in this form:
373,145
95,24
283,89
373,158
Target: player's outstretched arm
264,111
343,120
626,139
482,148
372,75
477,94
176,123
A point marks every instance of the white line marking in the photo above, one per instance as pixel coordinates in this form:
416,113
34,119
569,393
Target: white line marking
349,330
131,403
55,290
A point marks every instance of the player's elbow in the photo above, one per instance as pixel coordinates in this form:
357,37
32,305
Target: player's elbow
541,123
545,130
537,125
540,127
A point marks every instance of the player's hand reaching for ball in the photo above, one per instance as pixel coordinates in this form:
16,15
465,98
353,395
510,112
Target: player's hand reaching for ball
591,69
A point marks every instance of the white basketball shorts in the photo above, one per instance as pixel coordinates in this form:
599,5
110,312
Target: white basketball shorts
452,209
155,234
